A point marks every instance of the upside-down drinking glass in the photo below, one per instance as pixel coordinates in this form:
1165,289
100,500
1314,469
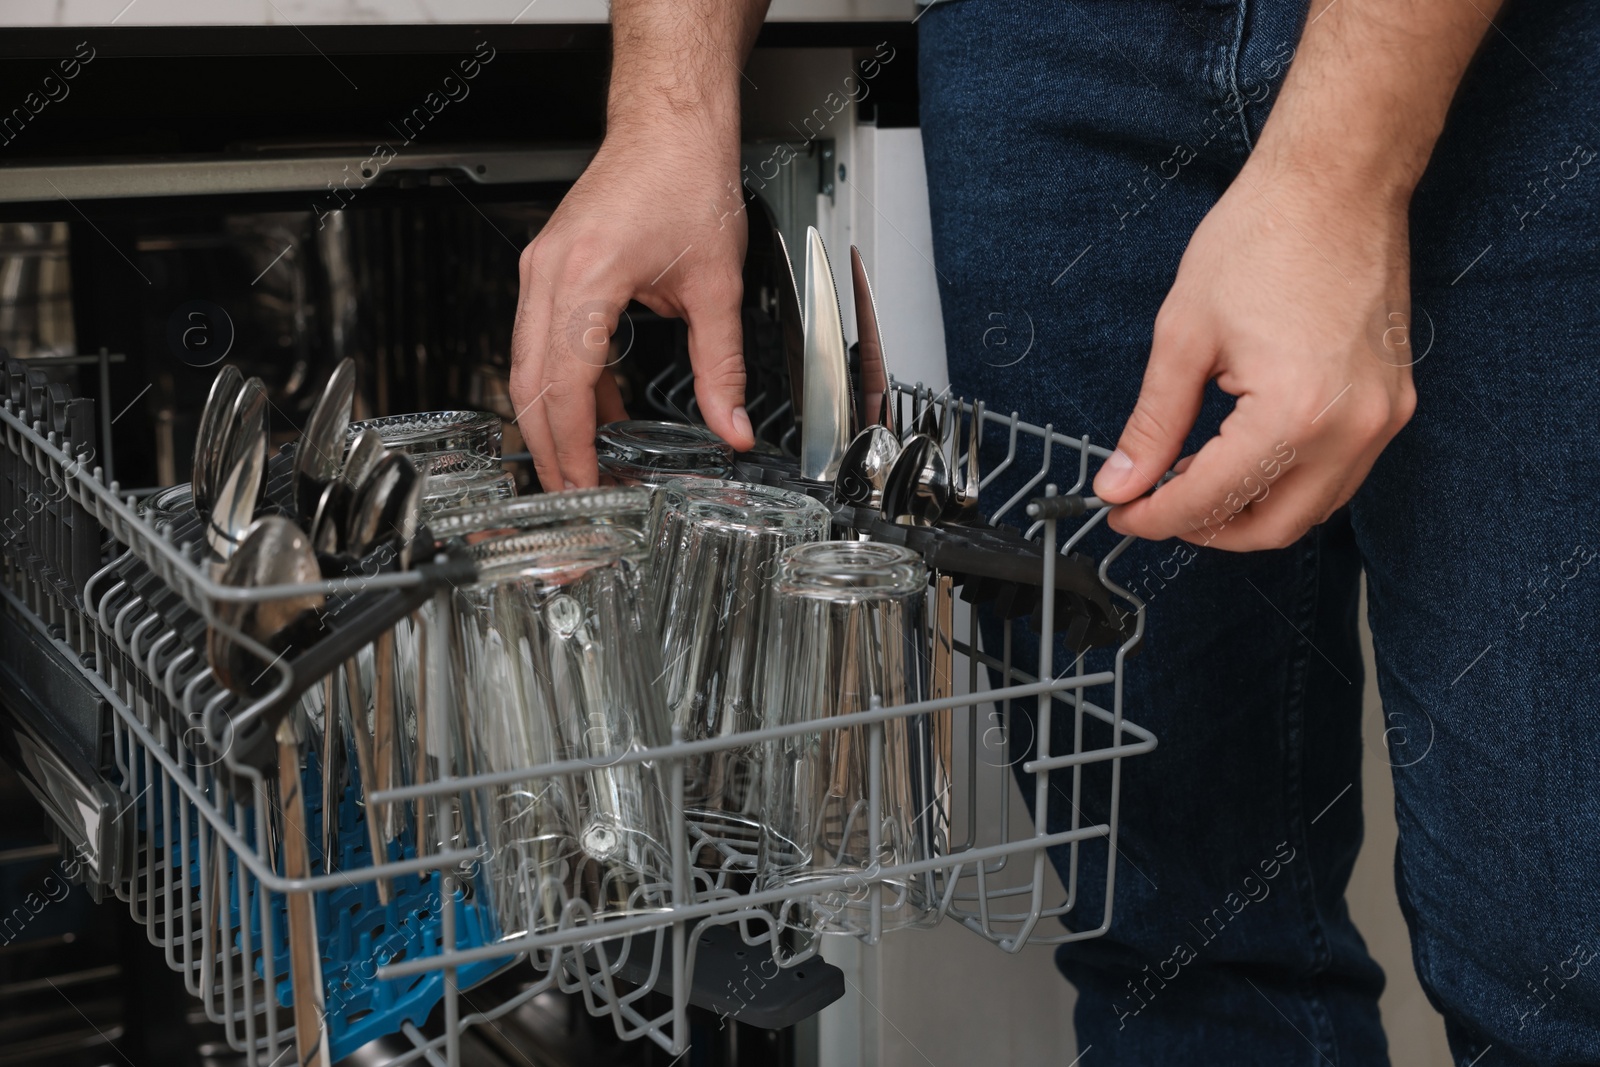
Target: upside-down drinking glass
848,630
554,655
716,552
650,453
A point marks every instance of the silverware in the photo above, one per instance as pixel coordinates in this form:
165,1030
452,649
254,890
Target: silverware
365,452
873,404
964,499
274,552
825,430
864,469
305,956
244,468
380,512
918,488
320,454
387,509
791,321
208,439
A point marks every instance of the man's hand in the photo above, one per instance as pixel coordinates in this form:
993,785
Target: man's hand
1285,297
1294,292
657,217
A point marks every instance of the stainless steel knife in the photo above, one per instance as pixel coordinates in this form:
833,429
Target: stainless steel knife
873,403
791,322
825,429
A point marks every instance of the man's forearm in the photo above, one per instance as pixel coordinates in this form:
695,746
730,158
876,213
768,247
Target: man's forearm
679,62
1368,92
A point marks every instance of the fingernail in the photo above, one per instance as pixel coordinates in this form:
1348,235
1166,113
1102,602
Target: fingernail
567,485
1114,474
741,422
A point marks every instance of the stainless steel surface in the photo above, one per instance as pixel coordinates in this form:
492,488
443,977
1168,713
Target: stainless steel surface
366,449
917,491
872,405
274,553
825,424
320,454
864,470
209,439
243,470
792,323
305,955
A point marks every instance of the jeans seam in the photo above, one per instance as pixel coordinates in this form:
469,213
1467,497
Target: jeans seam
1303,612
1230,71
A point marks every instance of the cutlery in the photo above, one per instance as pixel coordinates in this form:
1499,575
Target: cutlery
244,468
305,956
319,455
825,429
872,405
208,439
388,507
791,322
918,487
965,498
864,469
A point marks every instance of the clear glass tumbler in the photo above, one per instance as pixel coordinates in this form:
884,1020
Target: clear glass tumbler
716,553
650,453
849,629
552,653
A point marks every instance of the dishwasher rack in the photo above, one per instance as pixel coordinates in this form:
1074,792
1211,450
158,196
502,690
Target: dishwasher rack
198,868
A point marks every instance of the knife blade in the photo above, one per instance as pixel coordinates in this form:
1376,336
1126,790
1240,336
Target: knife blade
825,432
791,322
873,401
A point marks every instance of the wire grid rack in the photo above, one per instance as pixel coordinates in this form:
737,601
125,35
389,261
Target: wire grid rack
208,887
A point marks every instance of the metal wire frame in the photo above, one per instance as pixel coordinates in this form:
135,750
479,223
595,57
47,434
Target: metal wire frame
201,848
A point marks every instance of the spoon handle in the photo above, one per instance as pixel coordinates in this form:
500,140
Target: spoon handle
383,726
333,756
364,767
305,956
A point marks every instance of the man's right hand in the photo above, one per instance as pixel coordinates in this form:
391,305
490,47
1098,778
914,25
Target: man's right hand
657,217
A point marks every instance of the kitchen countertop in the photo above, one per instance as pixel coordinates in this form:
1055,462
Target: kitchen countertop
99,13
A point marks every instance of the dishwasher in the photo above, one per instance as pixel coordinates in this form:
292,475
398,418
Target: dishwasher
290,200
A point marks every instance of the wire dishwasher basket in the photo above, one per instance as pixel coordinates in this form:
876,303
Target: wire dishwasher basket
162,800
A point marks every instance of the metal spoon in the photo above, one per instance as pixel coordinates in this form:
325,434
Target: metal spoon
244,467
320,453
208,438
388,509
273,552
864,470
918,488
965,499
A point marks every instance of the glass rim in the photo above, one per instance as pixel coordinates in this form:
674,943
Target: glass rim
594,507
414,431
743,507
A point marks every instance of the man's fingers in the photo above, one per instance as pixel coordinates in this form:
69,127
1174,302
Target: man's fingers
716,349
1281,516
1181,359
1241,466
608,400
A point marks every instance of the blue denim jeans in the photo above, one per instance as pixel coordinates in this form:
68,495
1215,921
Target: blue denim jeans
1072,148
